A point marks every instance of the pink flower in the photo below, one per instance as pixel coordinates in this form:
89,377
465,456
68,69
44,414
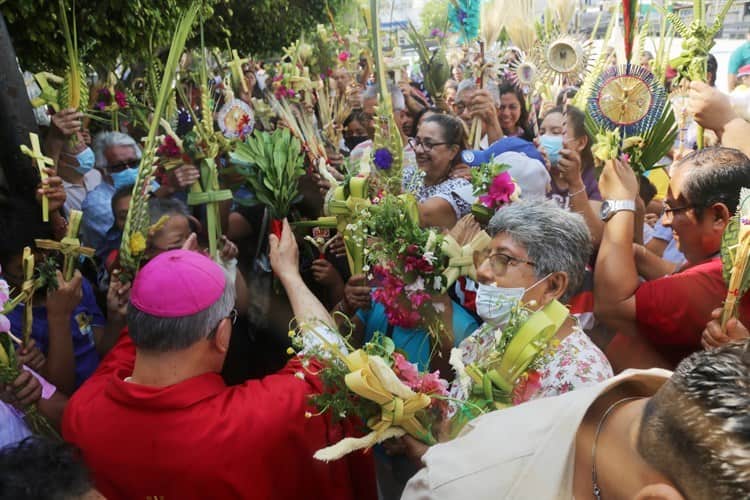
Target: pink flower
500,191
4,292
431,383
344,56
405,371
4,323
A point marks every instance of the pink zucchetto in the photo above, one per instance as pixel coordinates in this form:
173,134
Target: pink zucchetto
177,283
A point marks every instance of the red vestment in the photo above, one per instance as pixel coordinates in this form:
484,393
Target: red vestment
202,439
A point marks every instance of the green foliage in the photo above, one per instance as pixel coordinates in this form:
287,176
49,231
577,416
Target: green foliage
108,30
112,30
274,165
434,15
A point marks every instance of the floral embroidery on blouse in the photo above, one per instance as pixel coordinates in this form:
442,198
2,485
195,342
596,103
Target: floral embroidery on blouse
457,192
575,363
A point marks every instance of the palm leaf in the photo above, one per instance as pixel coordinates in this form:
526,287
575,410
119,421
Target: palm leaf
660,139
138,219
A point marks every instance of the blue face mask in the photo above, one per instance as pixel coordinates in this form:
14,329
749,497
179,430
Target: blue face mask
125,178
85,161
552,144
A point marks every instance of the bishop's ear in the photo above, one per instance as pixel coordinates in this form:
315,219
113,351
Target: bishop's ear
659,491
223,335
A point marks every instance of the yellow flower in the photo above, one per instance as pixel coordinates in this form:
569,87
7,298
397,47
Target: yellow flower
137,244
308,414
292,333
290,351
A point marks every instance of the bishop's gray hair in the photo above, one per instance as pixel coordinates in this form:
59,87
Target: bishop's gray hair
156,334
105,140
696,429
555,239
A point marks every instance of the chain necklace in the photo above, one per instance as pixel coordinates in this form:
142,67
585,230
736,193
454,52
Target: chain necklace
597,490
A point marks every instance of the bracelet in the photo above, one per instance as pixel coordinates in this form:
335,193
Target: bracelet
582,190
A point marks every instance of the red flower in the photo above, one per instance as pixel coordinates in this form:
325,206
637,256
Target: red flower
121,99
169,148
527,387
344,56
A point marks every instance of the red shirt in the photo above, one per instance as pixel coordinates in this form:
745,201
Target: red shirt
673,311
201,439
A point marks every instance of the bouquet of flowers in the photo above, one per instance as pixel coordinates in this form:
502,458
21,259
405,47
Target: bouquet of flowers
377,385
498,368
273,163
494,188
9,369
411,264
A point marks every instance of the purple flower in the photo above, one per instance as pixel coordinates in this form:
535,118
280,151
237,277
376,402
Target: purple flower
383,159
462,15
437,33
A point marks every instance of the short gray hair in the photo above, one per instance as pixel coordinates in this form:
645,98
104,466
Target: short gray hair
555,239
105,140
696,428
159,207
155,334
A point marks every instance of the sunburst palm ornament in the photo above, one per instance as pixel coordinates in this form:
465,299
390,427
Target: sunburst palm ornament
564,60
629,98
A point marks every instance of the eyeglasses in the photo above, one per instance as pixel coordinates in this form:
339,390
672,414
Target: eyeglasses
123,165
426,145
232,317
669,212
499,262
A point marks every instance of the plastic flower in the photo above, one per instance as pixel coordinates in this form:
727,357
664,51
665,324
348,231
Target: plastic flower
500,191
383,159
344,56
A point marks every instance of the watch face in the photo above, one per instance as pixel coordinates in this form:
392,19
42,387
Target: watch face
605,210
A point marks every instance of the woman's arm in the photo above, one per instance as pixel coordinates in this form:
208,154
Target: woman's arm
437,212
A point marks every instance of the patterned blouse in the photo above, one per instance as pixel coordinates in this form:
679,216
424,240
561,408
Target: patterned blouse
457,192
576,362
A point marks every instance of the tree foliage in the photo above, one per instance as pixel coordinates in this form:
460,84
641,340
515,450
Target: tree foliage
434,15
115,30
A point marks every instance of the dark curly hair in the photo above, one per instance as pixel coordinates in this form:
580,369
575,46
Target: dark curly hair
40,469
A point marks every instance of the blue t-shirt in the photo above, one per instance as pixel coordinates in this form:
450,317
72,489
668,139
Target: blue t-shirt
739,58
85,316
415,342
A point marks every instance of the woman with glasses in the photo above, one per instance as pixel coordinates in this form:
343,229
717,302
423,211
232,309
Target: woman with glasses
443,200
538,254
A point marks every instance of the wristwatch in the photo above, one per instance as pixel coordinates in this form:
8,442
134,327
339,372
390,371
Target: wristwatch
611,207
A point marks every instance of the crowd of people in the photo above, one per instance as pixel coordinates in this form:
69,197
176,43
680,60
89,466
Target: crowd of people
182,384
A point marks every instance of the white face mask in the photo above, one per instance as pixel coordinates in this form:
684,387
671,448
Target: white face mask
494,303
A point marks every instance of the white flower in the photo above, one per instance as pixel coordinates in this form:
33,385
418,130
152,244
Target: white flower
365,268
351,227
417,286
429,257
438,283
516,193
439,307
299,375
457,363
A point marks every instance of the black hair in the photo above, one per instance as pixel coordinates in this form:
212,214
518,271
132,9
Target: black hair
523,120
357,116
21,224
712,67
715,175
41,469
646,189
418,116
454,132
453,129
568,92
120,194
